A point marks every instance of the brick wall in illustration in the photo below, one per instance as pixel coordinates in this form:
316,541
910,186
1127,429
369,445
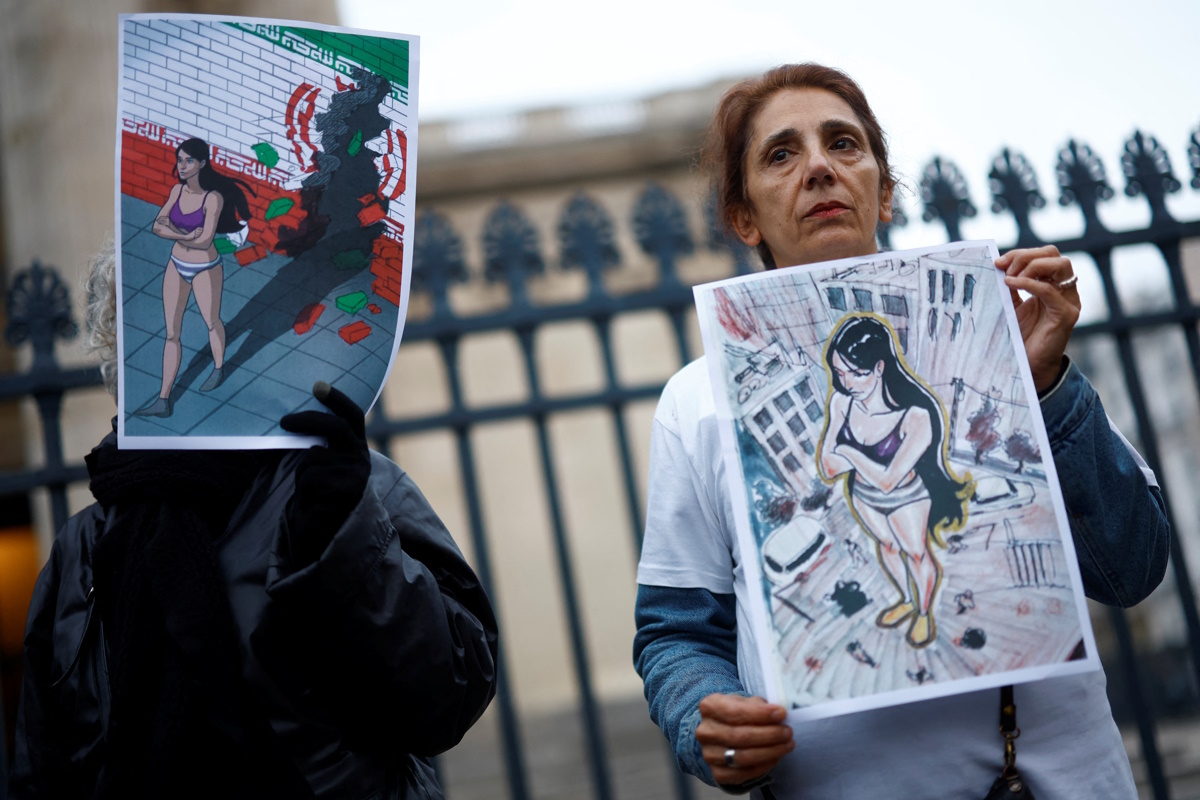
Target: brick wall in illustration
252,92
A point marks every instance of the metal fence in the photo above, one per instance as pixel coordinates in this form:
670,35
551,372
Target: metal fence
39,313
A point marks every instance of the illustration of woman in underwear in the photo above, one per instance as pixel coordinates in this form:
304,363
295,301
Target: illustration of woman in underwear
885,436
203,204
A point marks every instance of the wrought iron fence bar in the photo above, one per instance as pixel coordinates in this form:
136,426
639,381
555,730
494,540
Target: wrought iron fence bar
48,381
1106,239
1182,316
604,332
1148,438
1183,578
683,789
593,731
510,738
466,418
534,316
1141,710
20,482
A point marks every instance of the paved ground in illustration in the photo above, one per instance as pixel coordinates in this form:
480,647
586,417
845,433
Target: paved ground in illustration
269,368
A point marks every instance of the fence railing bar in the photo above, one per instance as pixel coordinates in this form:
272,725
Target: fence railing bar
48,381
1148,439
593,730
510,738
1141,710
683,789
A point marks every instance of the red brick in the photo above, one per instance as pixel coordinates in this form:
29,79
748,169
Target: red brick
374,309
308,317
248,255
371,214
354,332
380,288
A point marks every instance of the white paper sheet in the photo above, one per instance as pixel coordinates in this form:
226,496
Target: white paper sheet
825,557
311,133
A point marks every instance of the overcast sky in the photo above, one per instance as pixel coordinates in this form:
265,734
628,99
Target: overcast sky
961,79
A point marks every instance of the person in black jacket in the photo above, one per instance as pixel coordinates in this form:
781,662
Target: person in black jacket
270,624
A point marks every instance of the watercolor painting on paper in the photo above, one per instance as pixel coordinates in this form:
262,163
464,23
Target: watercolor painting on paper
898,493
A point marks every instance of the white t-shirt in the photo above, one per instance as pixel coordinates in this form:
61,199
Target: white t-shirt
943,748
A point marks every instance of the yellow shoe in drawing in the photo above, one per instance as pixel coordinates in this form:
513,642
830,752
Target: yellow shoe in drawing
922,632
893,615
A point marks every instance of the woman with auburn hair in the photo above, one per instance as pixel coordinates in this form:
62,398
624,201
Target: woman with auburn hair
898,484
801,171
213,203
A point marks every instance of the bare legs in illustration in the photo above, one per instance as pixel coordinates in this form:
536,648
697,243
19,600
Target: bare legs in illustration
207,287
902,545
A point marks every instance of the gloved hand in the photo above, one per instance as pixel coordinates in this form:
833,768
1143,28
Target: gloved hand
330,480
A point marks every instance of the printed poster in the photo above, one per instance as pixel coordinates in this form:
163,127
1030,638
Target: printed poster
898,511
264,207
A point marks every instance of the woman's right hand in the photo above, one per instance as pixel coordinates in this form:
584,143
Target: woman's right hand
750,726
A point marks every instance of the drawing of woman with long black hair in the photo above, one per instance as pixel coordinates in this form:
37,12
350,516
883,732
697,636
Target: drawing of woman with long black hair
202,204
885,436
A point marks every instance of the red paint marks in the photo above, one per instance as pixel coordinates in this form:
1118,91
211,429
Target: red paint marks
248,255
354,332
1024,608
387,265
308,317
393,164
737,322
374,309
343,86
814,664
371,214
802,577
1054,606
298,117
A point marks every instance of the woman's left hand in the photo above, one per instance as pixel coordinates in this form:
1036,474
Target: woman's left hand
1049,314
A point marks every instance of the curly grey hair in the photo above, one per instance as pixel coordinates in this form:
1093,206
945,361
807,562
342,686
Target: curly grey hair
100,332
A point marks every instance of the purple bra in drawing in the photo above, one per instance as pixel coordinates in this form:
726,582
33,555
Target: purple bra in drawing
882,452
187,222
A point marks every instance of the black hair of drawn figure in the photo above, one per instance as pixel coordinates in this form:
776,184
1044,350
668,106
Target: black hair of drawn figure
235,206
863,342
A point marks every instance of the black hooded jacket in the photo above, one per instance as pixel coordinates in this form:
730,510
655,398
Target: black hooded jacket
366,662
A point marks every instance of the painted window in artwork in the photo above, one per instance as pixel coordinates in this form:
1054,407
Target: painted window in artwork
795,424
813,410
791,462
947,286
804,387
837,297
763,418
807,447
862,300
895,305
777,443
957,326
784,402
968,290
933,285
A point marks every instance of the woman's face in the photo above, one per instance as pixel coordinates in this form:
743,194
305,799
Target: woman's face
858,383
187,165
813,183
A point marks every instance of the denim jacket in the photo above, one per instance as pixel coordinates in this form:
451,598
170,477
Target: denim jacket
685,647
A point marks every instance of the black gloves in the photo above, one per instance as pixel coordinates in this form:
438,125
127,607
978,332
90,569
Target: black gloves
330,480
